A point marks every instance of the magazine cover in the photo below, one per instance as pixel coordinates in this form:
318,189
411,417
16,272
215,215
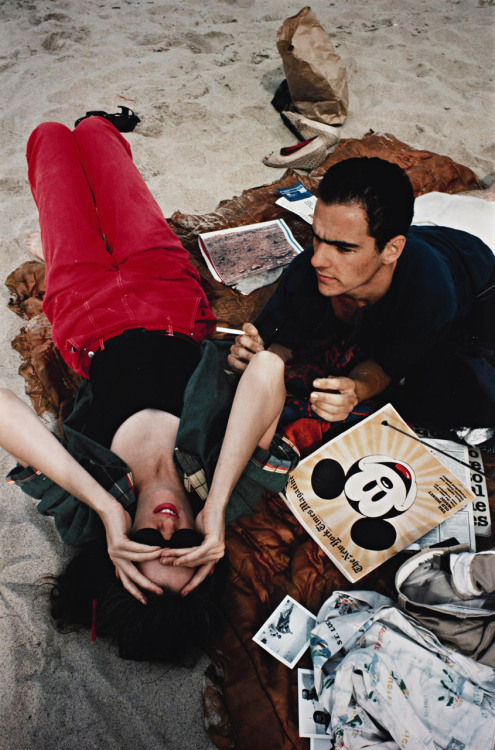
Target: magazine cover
372,491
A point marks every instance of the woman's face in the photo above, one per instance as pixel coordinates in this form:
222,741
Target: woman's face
170,577
166,511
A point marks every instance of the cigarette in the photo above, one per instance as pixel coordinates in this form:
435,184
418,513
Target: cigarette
234,331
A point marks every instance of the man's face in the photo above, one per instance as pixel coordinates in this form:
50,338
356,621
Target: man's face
345,257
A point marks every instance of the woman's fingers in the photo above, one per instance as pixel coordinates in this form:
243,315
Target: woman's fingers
197,578
132,576
129,550
131,588
190,558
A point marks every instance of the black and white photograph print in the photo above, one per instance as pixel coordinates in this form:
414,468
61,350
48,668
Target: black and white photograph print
321,743
313,717
285,635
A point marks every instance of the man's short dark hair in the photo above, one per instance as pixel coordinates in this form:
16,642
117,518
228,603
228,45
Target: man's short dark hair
381,188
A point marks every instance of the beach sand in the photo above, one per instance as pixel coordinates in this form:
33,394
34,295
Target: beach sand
201,75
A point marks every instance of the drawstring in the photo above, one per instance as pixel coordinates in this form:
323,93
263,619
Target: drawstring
93,620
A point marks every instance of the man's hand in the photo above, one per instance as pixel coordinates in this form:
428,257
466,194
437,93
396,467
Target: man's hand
337,400
211,523
340,395
123,552
244,348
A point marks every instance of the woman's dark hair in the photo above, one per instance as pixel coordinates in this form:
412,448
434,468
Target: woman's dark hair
381,188
168,628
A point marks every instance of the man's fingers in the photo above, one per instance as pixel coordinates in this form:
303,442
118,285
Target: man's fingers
251,343
331,415
252,332
342,385
330,411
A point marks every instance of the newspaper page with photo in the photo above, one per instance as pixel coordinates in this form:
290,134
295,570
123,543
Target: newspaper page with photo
253,255
372,491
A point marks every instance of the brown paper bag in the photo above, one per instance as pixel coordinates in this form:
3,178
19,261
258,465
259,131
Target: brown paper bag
315,74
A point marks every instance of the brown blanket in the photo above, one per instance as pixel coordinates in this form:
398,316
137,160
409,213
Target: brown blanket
250,698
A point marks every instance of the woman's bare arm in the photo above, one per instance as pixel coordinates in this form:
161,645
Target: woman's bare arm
258,402
25,437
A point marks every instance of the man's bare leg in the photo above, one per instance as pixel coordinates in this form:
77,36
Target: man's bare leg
33,242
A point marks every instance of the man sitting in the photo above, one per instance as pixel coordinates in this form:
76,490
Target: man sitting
379,310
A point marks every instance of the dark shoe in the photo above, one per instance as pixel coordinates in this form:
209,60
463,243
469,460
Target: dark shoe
124,121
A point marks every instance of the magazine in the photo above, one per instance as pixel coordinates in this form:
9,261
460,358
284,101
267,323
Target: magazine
371,492
232,255
299,200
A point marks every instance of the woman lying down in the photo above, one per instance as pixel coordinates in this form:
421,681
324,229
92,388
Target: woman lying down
128,314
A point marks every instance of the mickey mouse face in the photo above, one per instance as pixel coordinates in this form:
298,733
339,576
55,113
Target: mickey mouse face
379,487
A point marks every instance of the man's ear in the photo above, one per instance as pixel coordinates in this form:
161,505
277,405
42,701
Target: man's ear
393,249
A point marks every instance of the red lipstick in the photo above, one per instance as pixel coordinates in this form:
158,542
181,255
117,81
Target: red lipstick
166,506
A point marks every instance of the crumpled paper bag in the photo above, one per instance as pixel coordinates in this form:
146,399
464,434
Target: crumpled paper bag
315,73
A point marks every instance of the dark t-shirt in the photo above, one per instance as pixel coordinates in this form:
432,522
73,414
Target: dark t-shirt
434,285
137,370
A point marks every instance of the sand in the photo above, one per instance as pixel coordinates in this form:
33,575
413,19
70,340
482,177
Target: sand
200,74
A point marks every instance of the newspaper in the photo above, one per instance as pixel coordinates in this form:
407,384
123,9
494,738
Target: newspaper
250,256
481,507
460,526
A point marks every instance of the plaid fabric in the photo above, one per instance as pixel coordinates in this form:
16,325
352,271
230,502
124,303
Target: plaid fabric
193,474
265,470
280,459
20,475
120,486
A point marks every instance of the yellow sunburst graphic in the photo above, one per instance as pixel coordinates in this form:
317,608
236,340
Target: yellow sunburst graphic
438,492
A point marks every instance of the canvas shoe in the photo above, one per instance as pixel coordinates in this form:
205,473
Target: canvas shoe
308,154
304,128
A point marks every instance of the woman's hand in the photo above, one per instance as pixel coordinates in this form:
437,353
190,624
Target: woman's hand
123,552
211,523
244,348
